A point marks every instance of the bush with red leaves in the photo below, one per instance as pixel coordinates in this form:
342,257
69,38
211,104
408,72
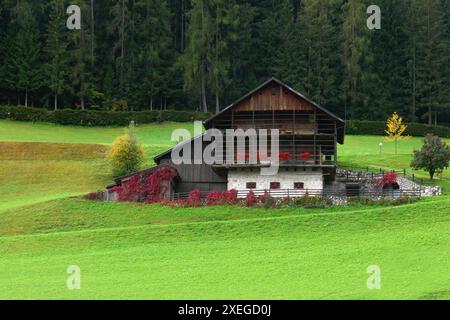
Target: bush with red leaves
222,198
251,199
194,198
388,179
263,198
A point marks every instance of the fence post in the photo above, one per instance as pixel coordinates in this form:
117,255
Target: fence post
404,172
414,177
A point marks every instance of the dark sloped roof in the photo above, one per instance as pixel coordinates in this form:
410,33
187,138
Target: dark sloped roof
162,155
273,79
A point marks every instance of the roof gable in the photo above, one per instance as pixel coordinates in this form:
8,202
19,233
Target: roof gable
273,94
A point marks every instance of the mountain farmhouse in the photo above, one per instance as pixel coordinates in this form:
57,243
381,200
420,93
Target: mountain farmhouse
308,138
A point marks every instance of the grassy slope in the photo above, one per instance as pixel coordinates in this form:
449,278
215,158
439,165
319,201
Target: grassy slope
285,255
138,251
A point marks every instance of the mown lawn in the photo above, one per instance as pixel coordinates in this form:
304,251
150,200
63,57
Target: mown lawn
155,252
288,254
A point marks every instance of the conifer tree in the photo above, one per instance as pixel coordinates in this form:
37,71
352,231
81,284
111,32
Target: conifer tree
356,57
24,58
56,50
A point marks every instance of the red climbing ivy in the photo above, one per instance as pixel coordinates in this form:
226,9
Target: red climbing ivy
146,187
388,179
154,187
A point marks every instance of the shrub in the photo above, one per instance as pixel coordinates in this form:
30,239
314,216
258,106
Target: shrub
308,202
269,202
366,201
222,198
403,200
194,198
231,196
251,199
126,155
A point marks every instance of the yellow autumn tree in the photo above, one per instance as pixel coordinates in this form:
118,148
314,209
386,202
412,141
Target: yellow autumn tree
126,154
395,129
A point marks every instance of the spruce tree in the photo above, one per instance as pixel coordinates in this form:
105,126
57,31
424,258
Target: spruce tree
156,56
431,55
24,58
356,57
79,58
56,50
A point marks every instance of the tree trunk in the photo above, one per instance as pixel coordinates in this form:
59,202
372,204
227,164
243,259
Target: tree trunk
93,33
82,103
430,116
413,111
204,102
217,103
56,102
26,97
432,174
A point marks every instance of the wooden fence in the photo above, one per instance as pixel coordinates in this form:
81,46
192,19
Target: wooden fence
292,193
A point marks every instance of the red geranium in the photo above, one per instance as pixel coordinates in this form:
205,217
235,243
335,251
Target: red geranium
284,156
305,156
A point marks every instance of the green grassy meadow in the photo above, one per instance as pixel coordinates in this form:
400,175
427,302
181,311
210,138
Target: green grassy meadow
134,251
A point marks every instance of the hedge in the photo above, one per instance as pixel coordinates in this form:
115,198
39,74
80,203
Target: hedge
108,118
361,127
97,118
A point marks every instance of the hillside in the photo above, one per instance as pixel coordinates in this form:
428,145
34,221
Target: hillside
149,251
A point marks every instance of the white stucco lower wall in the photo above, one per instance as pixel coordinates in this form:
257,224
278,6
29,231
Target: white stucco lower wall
238,178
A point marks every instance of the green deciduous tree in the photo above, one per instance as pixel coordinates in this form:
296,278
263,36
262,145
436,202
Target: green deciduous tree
433,157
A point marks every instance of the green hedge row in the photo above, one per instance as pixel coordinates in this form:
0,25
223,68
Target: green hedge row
97,118
377,128
106,118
